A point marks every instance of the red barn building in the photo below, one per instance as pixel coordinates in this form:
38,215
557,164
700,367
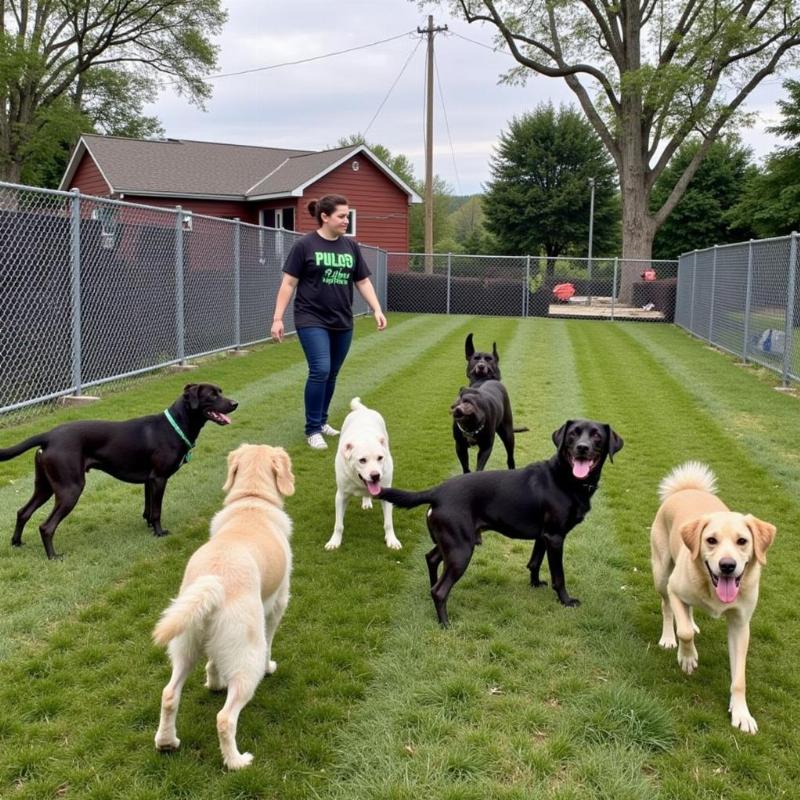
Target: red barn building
261,185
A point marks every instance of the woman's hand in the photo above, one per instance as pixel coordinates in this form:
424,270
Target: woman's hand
277,330
380,319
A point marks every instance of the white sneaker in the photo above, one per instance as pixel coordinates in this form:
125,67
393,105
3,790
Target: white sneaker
316,442
328,430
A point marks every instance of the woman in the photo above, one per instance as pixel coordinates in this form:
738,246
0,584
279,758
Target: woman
323,266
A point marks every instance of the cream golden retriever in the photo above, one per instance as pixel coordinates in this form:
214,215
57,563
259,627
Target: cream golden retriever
235,590
705,556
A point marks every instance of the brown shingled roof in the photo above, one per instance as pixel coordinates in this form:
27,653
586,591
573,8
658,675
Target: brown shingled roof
182,167
186,168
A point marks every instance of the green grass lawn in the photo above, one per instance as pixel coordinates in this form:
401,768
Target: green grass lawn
520,698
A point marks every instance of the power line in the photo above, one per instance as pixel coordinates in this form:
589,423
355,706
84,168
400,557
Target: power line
391,88
447,124
304,60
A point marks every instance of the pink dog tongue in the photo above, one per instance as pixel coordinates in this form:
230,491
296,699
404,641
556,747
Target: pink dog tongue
373,488
727,589
580,469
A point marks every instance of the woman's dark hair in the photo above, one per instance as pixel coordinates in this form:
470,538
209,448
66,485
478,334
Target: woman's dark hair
326,205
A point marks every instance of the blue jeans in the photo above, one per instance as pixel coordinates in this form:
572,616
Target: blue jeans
325,353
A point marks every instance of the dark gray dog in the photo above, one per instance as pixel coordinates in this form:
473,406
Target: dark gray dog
543,501
481,366
481,411
144,450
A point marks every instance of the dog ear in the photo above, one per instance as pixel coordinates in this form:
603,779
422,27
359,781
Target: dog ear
233,466
558,436
613,442
191,395
284,477
691,534
469,348
495,353
763,536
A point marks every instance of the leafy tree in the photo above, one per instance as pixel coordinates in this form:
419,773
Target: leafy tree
660,72
701,217
771,200
71,64
538,199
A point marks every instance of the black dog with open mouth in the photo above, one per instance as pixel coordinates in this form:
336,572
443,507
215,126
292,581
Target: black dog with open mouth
543,502
144,450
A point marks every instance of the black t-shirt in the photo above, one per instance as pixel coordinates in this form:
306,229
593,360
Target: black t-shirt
326,270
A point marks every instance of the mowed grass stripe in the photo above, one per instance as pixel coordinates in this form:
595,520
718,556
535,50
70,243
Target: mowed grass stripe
477,710
89,696
105,533
667,423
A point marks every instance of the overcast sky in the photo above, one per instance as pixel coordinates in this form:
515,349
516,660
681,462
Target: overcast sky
312,105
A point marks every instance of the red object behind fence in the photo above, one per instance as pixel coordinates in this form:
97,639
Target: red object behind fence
563,291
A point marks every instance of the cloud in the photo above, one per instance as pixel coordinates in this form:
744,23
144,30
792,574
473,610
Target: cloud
313,105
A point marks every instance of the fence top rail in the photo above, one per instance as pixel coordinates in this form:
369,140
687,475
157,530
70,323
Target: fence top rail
127,204
784,238
546,258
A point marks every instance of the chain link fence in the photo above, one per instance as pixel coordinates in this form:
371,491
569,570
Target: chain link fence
745,298
95,290
529,286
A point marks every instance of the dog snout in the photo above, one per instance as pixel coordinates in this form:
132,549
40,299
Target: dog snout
234,405
374,476
582,449
727,566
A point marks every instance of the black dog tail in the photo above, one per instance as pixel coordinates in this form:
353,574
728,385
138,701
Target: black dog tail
13,452
403,499
521,430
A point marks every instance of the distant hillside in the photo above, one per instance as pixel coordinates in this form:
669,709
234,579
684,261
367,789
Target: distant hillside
456,201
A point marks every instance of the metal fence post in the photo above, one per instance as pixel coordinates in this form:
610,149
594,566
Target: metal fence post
614,286
237,286
449,257
713,291
790,311
527,288
747,293
75,286
694,276
179,322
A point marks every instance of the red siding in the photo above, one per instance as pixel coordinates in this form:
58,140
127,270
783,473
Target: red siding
227,209
88,179
381,206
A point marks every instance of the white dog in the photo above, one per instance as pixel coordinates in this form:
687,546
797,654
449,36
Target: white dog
363,467
234,592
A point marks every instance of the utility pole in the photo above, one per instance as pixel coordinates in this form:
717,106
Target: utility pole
591,231
429,31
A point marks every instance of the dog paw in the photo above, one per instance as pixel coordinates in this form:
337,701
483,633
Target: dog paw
393,543
271,667
239,761
166,743
668,642
366,503
741,719
571,602
688,661
333,543
159,532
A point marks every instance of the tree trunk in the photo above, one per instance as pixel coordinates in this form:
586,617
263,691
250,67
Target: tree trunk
638,227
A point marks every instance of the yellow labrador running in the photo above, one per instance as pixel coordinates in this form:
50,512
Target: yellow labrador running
234,592
704,555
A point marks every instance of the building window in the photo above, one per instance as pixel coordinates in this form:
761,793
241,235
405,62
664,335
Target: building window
277,218
351,223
